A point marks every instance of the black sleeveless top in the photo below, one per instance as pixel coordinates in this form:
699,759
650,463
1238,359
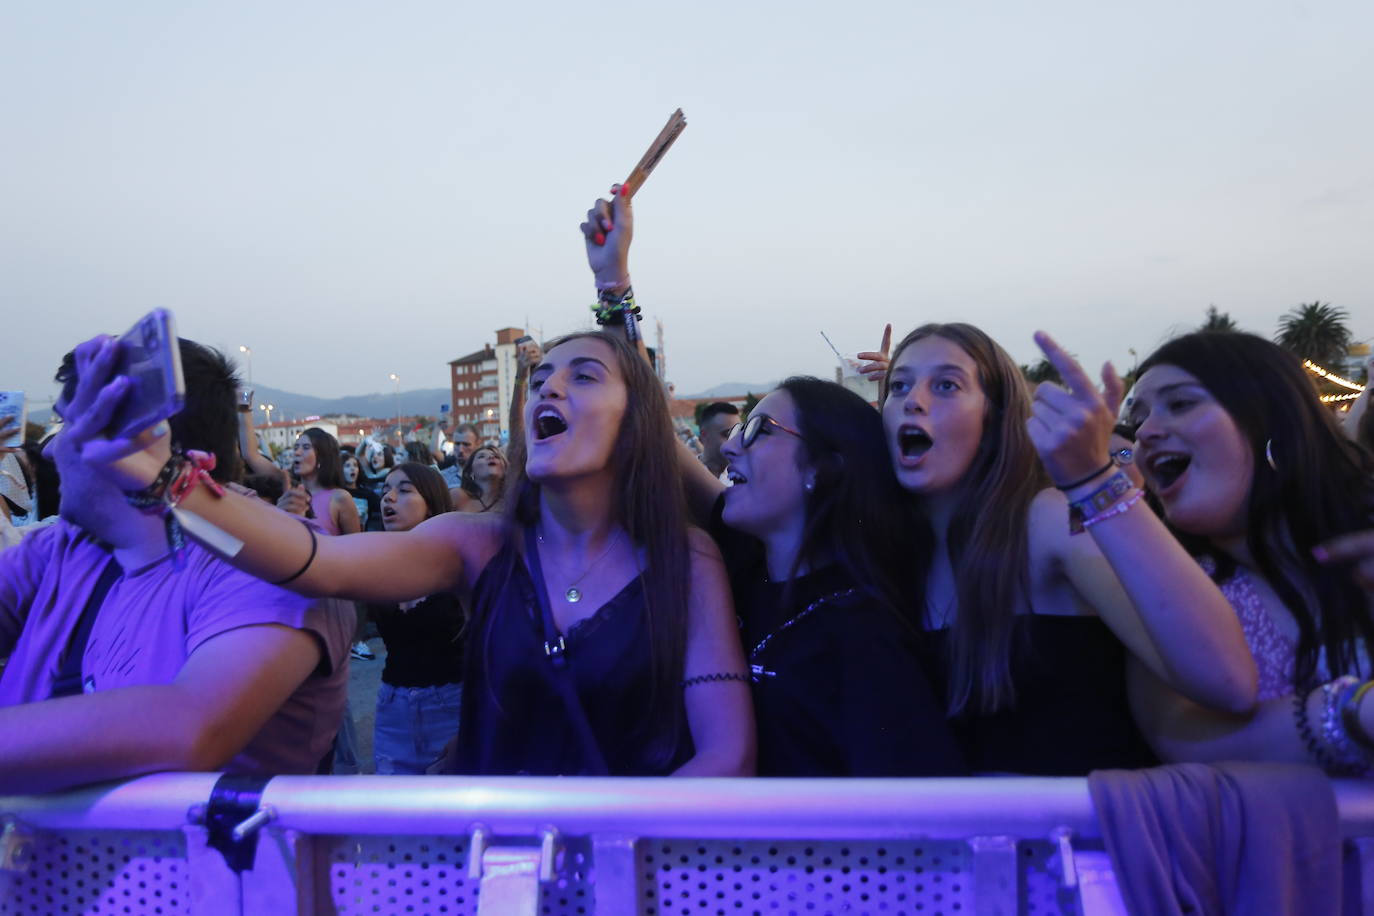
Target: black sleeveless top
514,717
1071,714
424,645
842,690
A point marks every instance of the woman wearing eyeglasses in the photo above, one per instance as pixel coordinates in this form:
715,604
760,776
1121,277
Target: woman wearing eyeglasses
806,528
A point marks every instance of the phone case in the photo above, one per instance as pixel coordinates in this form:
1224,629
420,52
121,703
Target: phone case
151,358
13,404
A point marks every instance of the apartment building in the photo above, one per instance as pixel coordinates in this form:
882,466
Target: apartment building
481,384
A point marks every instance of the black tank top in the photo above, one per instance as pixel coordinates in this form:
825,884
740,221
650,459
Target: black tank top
1071,714
514,719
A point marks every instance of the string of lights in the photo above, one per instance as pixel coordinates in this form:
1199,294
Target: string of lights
1333,398
1331,377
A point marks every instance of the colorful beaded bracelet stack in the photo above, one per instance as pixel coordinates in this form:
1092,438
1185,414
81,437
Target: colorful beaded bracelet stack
620,310
178,477
1117,495
1340,748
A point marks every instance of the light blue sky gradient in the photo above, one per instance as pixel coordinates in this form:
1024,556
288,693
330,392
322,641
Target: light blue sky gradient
357,189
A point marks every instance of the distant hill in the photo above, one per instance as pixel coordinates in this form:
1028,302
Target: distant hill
288,405
733,390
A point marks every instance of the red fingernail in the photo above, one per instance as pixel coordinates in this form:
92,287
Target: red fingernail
624,190
599,238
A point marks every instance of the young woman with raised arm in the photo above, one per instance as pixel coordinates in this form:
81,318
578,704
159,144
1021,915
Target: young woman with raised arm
637,602
318,464
1254,475
838,679
1037,594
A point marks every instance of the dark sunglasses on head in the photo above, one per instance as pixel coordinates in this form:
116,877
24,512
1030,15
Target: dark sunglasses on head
749,430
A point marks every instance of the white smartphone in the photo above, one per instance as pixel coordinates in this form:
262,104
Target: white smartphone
13,404
151,357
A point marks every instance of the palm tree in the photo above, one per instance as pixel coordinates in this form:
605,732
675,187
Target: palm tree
1042,371
1218,321
1316,331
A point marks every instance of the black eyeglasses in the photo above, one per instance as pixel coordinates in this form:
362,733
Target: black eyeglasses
749,430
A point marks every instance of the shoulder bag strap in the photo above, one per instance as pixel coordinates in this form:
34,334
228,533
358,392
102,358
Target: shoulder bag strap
68,680
556,651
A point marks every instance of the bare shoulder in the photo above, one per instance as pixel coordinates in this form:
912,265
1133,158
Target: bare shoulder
476,537
703,548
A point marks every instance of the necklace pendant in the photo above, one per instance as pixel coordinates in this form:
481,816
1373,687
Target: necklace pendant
573,595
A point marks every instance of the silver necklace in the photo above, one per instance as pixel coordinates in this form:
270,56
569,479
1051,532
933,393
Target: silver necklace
758,671
574,594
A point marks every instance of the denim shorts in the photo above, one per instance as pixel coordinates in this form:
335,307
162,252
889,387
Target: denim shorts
414,724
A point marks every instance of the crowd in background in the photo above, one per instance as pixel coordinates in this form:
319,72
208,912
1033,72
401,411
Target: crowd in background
974,575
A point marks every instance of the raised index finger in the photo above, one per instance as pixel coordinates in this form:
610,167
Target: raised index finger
886,348
1073,375
1354,546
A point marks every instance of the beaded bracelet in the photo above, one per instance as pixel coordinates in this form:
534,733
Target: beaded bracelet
1118,509
1337,756
718,676
619,310
1353,760
1096,503
1350,716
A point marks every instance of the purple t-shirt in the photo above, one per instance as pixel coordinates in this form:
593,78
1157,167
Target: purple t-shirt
151,621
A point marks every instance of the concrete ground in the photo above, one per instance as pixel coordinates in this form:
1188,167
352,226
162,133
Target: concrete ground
363,678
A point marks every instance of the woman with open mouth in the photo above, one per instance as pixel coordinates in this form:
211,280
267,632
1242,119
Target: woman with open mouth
421,687
1045,576
483,481
318,466
602,636
807,529
1258,481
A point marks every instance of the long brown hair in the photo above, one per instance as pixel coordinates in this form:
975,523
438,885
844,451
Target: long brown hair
328,460
987,541
1320,486
430,484
649,505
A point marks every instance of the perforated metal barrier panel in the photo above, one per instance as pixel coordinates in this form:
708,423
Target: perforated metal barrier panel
104,873
345,847
101,873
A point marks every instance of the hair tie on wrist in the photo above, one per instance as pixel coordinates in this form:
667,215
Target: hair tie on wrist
1078,483
314,545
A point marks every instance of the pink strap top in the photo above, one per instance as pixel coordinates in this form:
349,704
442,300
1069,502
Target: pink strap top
1274,653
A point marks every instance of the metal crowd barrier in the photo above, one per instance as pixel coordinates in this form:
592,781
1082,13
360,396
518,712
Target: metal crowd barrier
575,847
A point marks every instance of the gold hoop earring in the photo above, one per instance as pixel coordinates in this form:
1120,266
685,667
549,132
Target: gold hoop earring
1269,454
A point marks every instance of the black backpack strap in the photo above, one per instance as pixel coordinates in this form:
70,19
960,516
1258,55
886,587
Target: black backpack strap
68,680
556,650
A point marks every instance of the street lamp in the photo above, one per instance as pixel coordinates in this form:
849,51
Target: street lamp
248,352
267,409
396,381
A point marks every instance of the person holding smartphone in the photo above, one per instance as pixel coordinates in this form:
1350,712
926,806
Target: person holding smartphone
186,663
602,626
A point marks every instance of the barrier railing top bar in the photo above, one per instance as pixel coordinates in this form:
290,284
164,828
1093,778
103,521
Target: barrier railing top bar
687,808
